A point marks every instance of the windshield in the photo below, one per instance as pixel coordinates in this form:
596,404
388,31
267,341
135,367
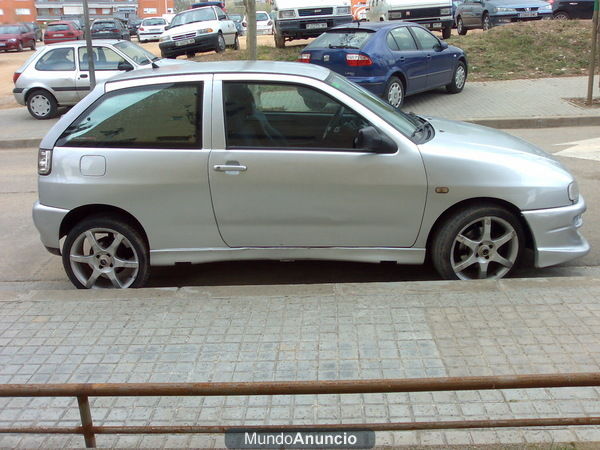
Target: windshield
396,118
9,29
150,22
260,17
135,52
194,15
341,39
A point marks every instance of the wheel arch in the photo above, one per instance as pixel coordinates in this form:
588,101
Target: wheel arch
33,89
480,201
399,74
80,213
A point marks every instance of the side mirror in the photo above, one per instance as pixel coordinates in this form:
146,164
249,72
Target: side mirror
371,140
443,45
167,27
124,65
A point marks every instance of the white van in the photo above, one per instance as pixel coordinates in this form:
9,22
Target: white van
433,14
301,19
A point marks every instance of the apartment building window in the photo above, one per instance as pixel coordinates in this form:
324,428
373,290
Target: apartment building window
149,10
1,12
106,11
23,11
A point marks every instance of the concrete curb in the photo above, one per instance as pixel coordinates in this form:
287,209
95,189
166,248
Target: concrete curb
493,122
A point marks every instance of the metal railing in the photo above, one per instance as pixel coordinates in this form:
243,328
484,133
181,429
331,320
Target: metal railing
89,431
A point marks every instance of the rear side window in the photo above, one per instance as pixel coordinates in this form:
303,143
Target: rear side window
341,39
159,116
56,60
58,27
402,39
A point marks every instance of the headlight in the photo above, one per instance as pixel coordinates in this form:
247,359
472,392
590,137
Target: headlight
573,191
12,40
287,14
546,7
44,161
164,38
506,10
204,31
445,11
343,10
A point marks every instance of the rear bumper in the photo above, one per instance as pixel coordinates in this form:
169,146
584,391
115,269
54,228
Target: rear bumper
19,94
374,84
556,233
203,43
297,28
47,220
149,36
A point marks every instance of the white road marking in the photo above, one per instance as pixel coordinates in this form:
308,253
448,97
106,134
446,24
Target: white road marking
585,149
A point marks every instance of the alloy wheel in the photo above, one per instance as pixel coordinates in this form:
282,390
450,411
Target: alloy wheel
40,105
395,94
460,76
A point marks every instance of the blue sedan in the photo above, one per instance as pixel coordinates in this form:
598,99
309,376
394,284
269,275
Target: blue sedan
391,59
489,13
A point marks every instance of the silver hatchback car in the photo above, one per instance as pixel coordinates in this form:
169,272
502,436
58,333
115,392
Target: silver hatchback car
58,74
286,161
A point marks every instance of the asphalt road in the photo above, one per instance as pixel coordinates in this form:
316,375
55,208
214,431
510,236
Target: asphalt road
25,264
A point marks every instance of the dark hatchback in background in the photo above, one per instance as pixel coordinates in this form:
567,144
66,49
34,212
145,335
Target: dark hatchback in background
109,29
391,59
16,37
133,26
569,9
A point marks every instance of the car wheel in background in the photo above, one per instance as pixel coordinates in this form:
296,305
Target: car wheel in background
190,54
394,92
19,46
459,78
446,32
486,22
477,242
220,44
279,40
460,26
32,46
561,15
236,43
42,105
106,252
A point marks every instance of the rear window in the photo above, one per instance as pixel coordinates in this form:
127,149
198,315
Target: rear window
58,27
104,26
150,22
341,39
262,16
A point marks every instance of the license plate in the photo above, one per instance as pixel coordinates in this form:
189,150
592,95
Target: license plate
154,29
184,42
435,25
528,14
313,26
59,35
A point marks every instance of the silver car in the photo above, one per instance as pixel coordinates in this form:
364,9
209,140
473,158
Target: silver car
58,74
251,160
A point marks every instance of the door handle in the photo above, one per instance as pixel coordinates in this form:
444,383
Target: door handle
402,58
83,75
229,168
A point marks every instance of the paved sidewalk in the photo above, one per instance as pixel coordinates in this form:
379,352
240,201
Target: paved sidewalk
333,331
501,104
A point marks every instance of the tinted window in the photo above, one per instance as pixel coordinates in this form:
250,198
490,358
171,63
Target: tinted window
342,39
427,41
104,59
57,59
151,22
100,26
163,116
270,115
403,38
58,27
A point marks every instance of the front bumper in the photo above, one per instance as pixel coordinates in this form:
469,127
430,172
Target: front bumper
9,45
297,28
203,43
556,235
47,220
504,18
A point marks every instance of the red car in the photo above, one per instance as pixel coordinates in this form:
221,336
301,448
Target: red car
62,32
16,37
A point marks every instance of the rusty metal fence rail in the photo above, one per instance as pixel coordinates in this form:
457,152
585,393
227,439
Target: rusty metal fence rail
83,391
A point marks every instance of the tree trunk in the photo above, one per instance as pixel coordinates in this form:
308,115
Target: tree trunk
251,30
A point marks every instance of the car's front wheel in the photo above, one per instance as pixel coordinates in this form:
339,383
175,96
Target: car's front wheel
458,79
477,243
460,27
561,15
394,92
42,105
105,252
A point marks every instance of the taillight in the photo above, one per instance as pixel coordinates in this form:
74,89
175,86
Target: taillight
16,76
304,57
116,30
44,161
355,60
244,24
69,34
141,28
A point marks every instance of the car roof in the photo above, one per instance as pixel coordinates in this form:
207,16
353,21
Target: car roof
82,43
266,67
371,26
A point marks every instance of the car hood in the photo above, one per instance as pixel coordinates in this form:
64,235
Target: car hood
519,4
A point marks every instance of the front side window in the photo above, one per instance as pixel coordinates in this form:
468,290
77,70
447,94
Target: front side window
57,60
275,115
140,55
104,59
160,116
427,41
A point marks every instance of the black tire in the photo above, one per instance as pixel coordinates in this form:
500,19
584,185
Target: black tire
220,48
190,54
42,105
445,247
561,15
394,92
133,248
460,26
446,32
486,22
279,40
459,79
236,43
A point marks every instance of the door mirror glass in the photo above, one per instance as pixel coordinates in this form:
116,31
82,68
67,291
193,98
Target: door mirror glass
441,46
125,65
371,140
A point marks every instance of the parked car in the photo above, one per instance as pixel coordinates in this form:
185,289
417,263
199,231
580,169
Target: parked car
109,29
16,37
455,4
240,25
572,9
151,28
198,30
133,25
62,31
486,14
264,24
58,74
270,175
33,26
391,59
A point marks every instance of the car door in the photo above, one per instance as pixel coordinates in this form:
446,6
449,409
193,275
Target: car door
440,61
283,171
475,13
227,26
407,58
57,69
106,62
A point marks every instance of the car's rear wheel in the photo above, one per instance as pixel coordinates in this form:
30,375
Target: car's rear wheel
458,79
220,44
42,105
478,243
190,54
460,26
486,22
561,15
236,43
394,92
105,252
